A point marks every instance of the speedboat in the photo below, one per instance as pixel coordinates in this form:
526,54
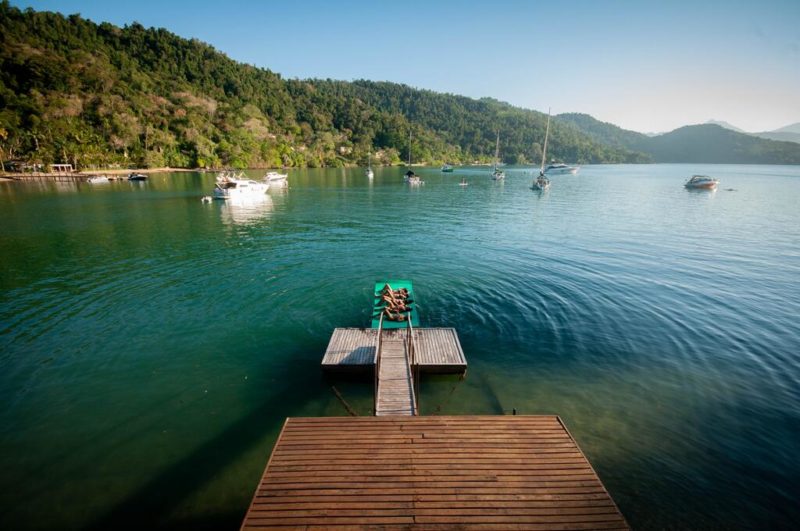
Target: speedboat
561,169
701,182
97,179
447,168
233,186
137,177
541,183
276,179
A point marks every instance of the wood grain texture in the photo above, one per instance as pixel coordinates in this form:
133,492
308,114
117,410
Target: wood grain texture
438,349
404,472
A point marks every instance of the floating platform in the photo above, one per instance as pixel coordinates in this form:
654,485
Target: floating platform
470,472
438,350
395,285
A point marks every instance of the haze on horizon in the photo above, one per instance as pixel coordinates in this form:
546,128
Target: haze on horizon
648,68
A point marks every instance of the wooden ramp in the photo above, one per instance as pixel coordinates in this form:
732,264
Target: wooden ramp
437,349
471,472
395,381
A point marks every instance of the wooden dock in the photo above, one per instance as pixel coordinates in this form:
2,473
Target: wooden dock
395,393
438,350
470,472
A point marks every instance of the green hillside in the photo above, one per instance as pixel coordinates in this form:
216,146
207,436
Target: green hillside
75,91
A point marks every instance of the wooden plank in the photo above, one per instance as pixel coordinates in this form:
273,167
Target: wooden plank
395,384
430,473
438,349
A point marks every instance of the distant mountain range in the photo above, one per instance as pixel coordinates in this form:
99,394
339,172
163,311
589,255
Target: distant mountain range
96,94
790,133
704,143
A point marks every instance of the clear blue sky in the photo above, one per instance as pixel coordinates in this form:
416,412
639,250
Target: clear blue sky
649,66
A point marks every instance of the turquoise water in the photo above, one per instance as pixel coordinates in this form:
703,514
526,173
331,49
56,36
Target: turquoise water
152,345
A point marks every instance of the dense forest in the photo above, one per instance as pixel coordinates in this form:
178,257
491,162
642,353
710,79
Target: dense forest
96,95
99,95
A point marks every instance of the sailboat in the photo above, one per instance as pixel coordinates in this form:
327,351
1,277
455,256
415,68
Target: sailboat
410,177
556,168
498,174
542,182
370,173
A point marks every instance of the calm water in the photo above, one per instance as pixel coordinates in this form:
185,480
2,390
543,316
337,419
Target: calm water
151,345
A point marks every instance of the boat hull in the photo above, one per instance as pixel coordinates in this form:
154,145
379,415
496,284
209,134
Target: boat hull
562,171
702,186
252,188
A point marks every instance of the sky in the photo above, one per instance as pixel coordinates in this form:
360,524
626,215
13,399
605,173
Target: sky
648,66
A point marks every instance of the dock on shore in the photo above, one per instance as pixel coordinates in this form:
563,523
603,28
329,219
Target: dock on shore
411,472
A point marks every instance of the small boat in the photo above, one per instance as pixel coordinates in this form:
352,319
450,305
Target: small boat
137,177
230,185
701,182
97,179
447,168
497,174
543,183
276,179
370,174
463,182
559,168
412,178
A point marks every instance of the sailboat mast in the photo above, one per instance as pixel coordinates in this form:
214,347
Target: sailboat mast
544,151
409,148
497,150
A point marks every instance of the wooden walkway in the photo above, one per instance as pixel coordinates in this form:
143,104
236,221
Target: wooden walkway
395,380
472,472
438,349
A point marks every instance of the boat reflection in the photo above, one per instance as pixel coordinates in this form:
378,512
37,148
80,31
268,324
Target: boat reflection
246,209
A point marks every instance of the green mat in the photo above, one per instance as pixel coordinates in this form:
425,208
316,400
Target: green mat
395,284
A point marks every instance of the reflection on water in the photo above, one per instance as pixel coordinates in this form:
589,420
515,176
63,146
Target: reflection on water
245,209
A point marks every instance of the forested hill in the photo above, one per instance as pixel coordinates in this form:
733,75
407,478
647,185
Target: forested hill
99,95
705,143
75,91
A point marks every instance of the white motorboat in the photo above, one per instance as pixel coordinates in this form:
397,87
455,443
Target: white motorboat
97,179
230,185
559,168
274,178
701,182
137,177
